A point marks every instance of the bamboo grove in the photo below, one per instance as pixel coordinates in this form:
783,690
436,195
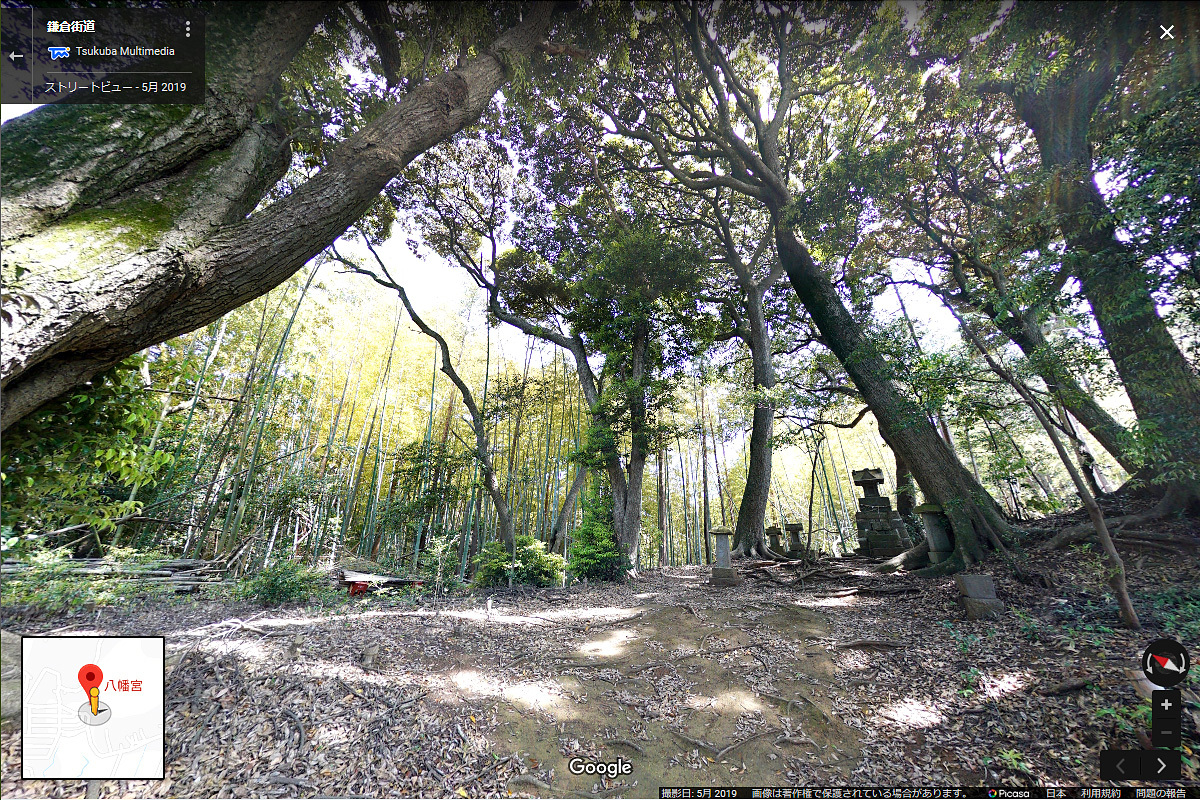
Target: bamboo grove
705,273
312,424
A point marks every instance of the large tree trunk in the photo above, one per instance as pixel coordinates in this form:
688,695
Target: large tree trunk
627,517
748,536
1112,435
566,513
172,249
973,514
1162,387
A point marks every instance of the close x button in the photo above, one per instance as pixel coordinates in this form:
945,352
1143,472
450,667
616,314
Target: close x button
1120,765
1161,765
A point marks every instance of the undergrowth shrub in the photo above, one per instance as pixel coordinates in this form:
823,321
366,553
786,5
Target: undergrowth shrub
530,565
438,563
49,585
284,582
595,554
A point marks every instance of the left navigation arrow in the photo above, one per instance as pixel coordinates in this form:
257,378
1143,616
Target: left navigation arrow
14,56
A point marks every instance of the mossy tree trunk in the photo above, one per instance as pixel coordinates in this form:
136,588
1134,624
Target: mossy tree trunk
1162,387
123,242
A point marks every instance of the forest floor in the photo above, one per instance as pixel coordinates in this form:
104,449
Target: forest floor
800,676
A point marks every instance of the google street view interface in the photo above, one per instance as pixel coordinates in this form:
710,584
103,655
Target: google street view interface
600,399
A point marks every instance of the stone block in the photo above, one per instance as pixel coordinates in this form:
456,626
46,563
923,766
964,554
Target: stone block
981,607
10,675
938,556
875,504
980,587
722,576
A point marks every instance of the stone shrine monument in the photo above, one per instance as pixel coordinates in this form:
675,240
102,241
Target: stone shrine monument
723,573
773,534
795,546
881,531
937,532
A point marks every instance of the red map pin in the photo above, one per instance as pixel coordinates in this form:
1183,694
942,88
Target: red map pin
90,677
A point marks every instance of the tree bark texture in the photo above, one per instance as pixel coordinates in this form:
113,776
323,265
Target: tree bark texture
748,535
193,254
972,512
566,513
1163,388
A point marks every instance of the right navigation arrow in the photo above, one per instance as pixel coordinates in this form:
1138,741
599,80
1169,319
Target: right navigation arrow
1162,765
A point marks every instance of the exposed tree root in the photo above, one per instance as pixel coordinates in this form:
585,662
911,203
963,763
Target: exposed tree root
759,549
948,567
1172,503
906,560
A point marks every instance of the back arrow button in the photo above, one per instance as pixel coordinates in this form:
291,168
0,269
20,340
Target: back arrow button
14,56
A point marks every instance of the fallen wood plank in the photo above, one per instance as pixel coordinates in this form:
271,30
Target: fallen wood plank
350,576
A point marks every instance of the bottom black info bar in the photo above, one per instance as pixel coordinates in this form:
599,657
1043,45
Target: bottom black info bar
909,793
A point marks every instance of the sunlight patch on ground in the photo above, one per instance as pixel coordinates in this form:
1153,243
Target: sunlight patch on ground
738,701
996,687
912,713
608,646
474,682
502,615
243,649
532,695
828,602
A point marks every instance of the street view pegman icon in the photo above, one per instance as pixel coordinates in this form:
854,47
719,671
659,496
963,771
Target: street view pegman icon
93,712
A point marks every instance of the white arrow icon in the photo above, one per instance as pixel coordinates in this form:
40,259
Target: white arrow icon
1161,764
14,56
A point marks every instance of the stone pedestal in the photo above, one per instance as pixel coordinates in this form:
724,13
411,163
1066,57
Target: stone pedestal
723,573
881,531
773,534
937,532
795,546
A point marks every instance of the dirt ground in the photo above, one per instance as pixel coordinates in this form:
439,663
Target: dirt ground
801,676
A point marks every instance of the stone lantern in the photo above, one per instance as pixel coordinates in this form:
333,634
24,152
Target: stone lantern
773,534
723,573
795,546
937,532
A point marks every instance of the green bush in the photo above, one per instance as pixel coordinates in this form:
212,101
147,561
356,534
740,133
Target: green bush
595,554
75,459
438,563
530,565
284,582
49,585
1178,612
